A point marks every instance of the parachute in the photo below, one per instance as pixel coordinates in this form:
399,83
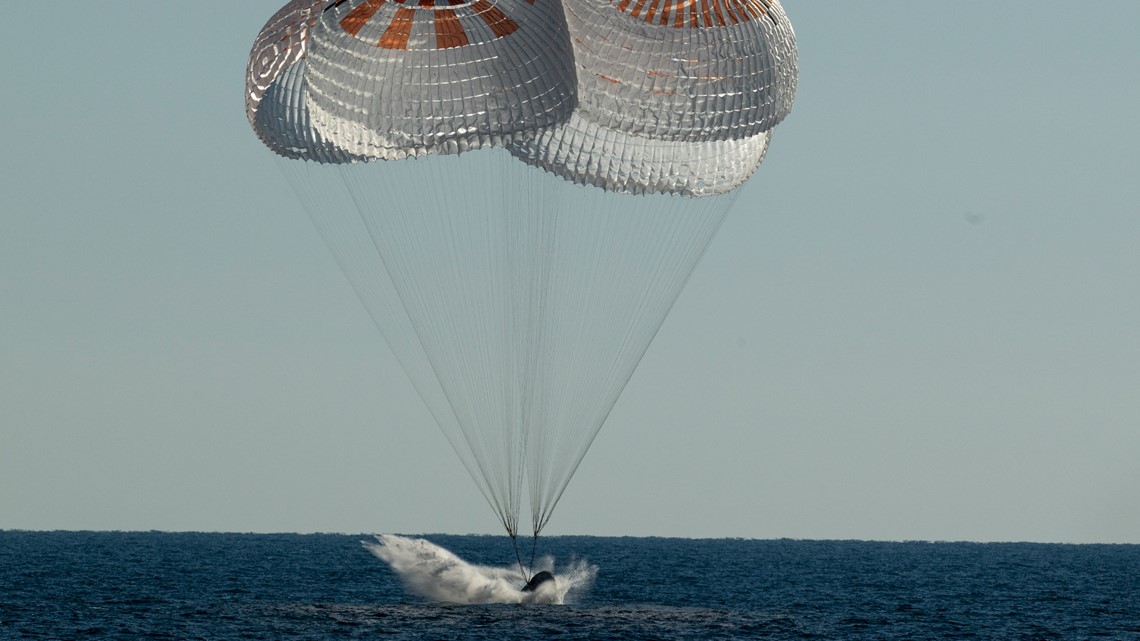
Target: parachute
520,304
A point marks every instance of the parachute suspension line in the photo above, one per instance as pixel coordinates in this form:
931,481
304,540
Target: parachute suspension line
429,237
478,423
341,222
522,570
519,304
631,258
533,547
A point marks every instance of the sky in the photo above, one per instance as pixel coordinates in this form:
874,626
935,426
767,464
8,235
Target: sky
920,320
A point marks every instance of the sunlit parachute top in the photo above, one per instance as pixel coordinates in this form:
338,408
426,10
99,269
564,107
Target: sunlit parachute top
633,96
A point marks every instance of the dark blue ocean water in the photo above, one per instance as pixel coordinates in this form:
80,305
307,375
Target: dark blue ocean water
66,585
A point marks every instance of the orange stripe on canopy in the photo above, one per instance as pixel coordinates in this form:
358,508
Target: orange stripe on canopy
358,17
498,21
448,31
397,34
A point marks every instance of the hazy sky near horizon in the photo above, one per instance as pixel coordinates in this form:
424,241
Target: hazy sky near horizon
920,321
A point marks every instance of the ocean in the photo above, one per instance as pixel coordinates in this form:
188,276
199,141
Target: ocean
280,587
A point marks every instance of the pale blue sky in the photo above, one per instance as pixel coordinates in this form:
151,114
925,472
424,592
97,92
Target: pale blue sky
921,320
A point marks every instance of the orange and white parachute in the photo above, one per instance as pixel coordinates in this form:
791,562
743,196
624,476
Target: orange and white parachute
340,80
520,304
638,96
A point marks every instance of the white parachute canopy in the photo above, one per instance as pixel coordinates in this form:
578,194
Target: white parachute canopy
520,304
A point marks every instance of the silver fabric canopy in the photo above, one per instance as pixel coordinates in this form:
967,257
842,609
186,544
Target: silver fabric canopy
397,79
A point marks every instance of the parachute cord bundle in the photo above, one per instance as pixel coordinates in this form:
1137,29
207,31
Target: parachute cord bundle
519,306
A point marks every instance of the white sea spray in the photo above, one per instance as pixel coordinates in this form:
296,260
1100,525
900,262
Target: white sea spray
435,573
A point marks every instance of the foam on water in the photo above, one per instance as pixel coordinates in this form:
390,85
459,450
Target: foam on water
435,573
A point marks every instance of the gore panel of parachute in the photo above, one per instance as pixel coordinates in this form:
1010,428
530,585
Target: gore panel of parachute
275,98
282,121
393,80
279,46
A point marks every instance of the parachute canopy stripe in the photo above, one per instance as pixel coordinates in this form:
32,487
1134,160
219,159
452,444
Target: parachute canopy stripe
399,29
400,19
448,31
498,21
694,13
358,17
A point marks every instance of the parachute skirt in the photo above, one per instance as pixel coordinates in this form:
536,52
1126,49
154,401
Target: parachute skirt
282,122
588,153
